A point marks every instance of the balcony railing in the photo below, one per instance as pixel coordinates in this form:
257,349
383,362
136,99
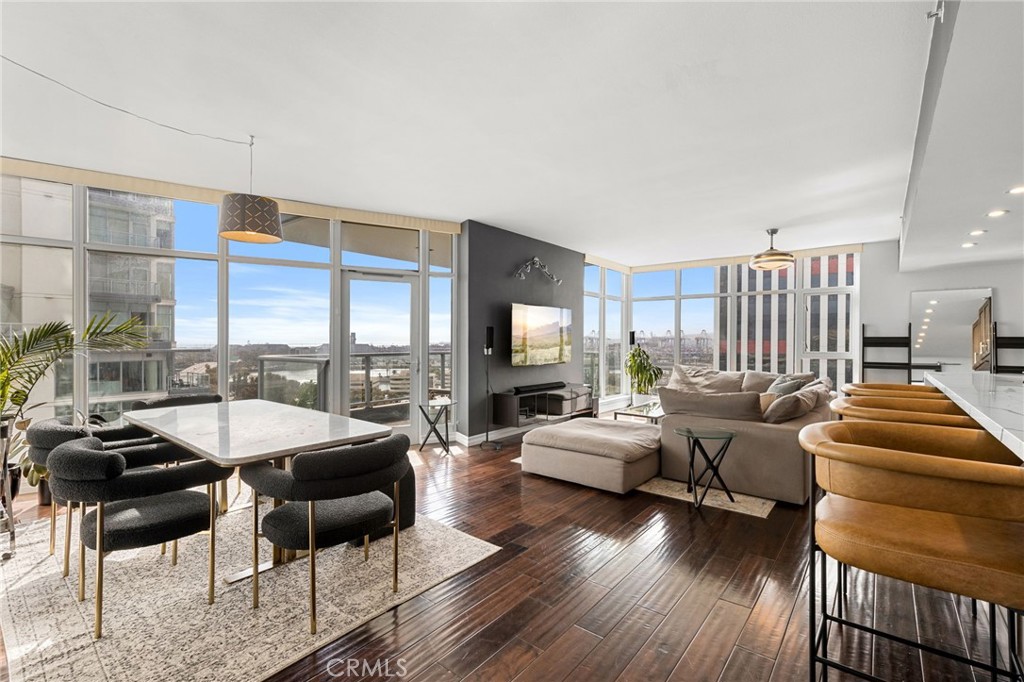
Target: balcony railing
276,371
379,382
9,329
123,287
124,237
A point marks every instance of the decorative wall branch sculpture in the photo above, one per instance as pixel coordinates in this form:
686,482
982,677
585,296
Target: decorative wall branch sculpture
535,263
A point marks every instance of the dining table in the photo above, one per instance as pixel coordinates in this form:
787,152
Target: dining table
240,432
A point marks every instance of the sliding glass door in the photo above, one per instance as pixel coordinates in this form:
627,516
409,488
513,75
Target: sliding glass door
383,379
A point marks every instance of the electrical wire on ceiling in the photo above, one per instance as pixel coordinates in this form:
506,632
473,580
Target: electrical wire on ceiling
247,143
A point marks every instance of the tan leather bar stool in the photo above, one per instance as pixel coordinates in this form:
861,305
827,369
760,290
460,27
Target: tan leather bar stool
907,410
894,391
941,507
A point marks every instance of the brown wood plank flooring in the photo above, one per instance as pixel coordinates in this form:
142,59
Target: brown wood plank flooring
594,586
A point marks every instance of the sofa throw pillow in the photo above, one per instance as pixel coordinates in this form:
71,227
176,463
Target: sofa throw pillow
785,387
789,407
758,381
823,382
705,380
794,405
739,406
788,383
767,399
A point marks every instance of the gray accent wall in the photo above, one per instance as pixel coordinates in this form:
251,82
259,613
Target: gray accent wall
488,258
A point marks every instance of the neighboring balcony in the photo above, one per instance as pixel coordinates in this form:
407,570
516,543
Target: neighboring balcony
108,289
124,237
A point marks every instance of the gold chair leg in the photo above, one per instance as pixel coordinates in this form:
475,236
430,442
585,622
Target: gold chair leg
163,545
98,632
255,549
67,538
312,567
238,479
53,528
174,553
224,496
366,548
212,488
81,561
394,574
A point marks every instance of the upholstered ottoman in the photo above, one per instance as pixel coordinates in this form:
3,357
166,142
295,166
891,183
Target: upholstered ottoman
599,453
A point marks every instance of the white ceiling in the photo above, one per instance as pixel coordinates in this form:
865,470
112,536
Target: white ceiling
643,133
975,151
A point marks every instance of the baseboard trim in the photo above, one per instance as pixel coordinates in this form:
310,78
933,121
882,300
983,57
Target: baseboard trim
470,441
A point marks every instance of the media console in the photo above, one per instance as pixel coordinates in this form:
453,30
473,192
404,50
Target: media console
526,405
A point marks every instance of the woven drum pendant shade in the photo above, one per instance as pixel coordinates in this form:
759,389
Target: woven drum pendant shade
250,218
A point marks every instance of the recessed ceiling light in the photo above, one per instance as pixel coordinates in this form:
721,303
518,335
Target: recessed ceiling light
917,345
968,245
929,310
920,333
977,233
998,213
935,302
927,319
924,326
1019,189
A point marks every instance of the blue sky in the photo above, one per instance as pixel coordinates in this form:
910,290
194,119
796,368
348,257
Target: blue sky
657,317
281,304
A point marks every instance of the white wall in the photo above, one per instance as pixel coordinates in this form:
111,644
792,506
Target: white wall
885,296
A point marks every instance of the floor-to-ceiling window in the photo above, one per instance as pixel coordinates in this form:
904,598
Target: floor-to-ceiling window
654,316
605,311
244,320
36,272
440,324
731,317
828,295
279,311
153,259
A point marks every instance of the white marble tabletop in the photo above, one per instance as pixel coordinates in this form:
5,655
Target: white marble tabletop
246,431
996,401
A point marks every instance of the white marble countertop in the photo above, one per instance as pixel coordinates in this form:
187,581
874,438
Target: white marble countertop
246,431
996,401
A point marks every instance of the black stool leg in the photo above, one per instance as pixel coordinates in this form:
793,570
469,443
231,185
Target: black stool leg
993,629
812,616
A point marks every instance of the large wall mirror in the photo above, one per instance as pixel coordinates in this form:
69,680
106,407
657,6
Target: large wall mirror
951,330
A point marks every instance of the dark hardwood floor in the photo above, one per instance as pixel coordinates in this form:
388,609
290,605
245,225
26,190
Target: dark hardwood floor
594,586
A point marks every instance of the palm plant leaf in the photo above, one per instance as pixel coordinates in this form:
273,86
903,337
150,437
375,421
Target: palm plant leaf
26,358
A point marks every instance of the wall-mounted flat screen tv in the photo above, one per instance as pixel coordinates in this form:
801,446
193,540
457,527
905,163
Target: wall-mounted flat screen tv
541,335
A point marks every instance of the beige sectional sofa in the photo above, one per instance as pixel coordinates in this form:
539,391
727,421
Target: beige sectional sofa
765,459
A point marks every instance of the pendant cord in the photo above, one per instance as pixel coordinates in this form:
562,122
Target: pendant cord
117,108
252,141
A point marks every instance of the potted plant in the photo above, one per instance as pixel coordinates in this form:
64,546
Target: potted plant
26,357
643,373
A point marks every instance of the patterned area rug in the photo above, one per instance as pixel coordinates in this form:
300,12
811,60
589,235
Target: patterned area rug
744,504
158,626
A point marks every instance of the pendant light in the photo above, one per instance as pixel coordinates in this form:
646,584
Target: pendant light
249,217
772,259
